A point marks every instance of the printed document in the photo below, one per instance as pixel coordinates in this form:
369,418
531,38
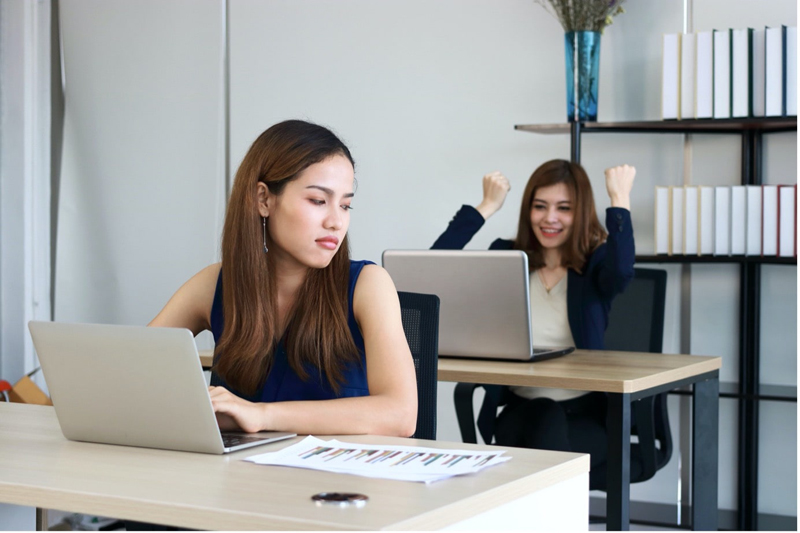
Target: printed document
405,463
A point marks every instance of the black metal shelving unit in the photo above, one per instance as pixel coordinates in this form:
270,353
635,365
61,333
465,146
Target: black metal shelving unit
749,391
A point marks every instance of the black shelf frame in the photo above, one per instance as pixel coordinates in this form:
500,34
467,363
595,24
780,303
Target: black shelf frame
770,393
749,394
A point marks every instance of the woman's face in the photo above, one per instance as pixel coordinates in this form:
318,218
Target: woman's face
308,220
552,213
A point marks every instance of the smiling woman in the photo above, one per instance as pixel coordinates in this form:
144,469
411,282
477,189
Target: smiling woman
576,270
298,323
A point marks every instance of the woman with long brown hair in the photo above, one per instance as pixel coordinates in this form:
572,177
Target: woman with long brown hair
307,340
576,270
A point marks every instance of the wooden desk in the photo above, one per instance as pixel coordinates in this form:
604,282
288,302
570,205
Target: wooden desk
626,376
40,468
206,358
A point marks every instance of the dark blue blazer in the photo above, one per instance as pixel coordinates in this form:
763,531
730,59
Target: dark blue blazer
607,272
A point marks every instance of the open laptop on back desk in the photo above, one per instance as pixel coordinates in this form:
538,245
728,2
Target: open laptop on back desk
133,385
484,300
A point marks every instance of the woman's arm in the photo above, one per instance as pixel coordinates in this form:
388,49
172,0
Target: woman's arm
469,219
495,190
390,408
190,306
616,268
619,182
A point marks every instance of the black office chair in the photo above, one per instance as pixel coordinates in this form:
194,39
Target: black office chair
420,314
636,324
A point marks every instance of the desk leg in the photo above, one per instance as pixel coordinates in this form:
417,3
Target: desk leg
618,491
41,519
705,454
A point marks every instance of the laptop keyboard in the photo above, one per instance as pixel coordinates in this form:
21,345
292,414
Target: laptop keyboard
235,440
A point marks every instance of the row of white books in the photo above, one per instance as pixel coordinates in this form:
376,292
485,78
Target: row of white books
754,220
734,73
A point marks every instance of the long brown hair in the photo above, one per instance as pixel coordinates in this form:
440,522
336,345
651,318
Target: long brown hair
586,234
317,331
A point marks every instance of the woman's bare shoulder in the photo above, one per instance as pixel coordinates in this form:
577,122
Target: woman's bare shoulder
190,306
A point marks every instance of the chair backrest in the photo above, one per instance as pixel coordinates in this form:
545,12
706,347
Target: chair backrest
420,315
636,324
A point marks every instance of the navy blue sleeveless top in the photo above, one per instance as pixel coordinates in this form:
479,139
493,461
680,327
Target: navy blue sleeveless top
283,384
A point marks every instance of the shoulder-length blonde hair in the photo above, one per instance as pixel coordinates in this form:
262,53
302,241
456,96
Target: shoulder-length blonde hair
317,331
587,233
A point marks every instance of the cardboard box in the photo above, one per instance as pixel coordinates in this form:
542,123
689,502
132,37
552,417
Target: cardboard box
26,391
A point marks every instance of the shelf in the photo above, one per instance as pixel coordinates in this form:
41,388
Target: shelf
777,393
735,259
718,126
750,392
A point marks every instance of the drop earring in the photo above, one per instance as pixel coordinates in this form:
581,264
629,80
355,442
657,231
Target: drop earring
264,226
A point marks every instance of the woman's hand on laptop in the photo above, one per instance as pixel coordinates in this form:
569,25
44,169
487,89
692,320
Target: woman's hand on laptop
234,413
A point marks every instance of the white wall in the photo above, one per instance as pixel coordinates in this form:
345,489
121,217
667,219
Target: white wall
425,93
142,191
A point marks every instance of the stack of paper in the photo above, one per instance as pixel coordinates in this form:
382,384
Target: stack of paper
404,463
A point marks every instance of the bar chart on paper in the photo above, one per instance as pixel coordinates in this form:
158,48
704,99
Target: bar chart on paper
405,463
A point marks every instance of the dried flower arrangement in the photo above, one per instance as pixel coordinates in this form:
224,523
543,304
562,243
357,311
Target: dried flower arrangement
583,15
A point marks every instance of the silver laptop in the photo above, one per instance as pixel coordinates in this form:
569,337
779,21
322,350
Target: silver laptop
484,309
134,386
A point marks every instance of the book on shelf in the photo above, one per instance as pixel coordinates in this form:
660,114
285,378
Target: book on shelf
730,73
722,74
754,220
670,76
677,214
662,222
741,73
775,71
749,220
787,217
791,71
706,220
704,75
690,220
759,73
769,220
687,75
722,221
738,220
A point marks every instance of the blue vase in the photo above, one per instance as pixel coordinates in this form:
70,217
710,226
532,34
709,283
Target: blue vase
583,69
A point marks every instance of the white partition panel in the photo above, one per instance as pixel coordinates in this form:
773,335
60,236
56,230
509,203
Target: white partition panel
142,190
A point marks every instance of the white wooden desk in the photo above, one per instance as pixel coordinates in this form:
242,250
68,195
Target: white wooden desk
40,468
